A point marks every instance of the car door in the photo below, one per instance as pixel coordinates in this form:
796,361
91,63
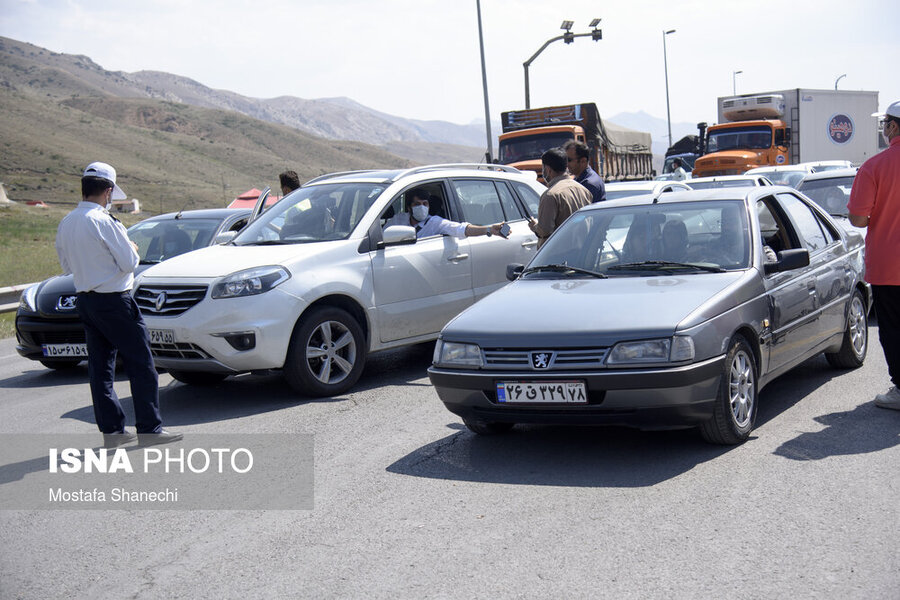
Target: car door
419,287
791,294
828,265
484,202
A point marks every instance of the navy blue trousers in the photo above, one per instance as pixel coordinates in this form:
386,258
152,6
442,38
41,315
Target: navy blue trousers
887,310
113,323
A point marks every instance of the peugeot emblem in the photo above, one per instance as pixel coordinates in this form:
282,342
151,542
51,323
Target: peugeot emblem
66,303
160,301
541,360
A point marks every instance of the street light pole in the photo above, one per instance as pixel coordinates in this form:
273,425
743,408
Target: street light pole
487,108
734,75
569,37
838,79
666,68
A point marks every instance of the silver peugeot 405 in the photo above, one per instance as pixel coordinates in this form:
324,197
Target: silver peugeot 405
660,312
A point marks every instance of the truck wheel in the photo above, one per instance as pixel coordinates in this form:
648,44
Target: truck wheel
735,407
196,377
856,337
327,353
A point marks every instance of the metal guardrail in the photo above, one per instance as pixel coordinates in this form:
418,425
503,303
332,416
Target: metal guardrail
9,296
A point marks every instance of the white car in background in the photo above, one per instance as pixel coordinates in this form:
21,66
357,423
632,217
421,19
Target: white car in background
318,281
728,181
789,175
830,189
827,165
623,189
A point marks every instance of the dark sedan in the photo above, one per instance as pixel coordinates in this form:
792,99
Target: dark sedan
47,326
659,313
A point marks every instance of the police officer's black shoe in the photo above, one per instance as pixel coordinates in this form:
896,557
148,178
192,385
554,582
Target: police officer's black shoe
163,437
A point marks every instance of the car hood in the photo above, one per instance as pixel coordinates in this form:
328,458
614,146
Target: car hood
50,290
218,261
597,312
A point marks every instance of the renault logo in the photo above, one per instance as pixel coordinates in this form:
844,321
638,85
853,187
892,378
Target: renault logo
160,301
541,360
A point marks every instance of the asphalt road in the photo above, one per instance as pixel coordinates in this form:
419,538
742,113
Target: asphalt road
409,504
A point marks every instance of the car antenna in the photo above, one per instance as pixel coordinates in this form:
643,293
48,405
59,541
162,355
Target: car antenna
186,204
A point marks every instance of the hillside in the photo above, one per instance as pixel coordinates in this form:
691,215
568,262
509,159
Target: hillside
58,115
62,75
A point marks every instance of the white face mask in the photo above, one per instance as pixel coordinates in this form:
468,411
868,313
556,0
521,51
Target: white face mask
884,134
420,212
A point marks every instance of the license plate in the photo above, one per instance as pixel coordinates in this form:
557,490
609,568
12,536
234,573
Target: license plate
54,350
542,392
162,336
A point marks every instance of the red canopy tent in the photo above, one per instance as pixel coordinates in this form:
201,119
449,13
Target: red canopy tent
248,199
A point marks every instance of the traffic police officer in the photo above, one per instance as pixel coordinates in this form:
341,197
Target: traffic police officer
94,247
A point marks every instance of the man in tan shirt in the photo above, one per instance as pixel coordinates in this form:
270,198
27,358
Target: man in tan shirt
564,195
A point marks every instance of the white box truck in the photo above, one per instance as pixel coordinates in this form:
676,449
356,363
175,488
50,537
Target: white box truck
789,127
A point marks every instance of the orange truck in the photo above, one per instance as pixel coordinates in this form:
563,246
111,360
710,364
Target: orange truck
617,153
789,127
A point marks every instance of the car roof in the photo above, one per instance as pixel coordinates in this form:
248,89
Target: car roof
201,213
388,176
831,174
803,168
649,185
746,193
750,177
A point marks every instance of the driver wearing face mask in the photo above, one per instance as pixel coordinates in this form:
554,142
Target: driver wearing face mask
428,225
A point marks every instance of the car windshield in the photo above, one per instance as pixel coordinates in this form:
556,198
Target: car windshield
832,193
159,240
312,214
651,239
721,183
739,138
530,147
786,177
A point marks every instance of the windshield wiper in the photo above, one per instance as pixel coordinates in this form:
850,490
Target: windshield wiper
266,243
651,265
563,269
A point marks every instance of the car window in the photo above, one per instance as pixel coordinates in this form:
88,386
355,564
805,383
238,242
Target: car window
511,210
479,201
437,204
530,197
808,225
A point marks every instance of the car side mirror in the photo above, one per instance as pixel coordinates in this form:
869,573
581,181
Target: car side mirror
398,235
788,260
514,270
225,237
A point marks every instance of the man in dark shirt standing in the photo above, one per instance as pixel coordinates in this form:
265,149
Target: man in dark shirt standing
580,168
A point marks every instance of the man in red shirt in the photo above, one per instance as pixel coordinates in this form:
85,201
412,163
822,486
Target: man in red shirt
875,204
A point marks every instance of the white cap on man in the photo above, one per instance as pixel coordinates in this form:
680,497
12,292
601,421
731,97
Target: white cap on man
892,111
105,171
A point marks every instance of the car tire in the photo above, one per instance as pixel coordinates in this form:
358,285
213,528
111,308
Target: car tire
327,353
60,365
196,377
488,427
855,344
736,401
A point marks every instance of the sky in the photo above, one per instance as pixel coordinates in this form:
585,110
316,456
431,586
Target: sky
420,59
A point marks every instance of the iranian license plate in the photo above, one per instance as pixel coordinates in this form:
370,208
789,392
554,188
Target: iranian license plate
542,392
162,336
54,350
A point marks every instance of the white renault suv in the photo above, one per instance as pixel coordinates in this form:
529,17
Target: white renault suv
318,281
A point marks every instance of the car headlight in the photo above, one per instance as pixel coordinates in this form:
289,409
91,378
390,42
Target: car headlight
28,299
250,282
452,354
679,348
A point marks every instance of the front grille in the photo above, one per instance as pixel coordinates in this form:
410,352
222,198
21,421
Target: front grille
562,360
178,350
176,299
56,337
